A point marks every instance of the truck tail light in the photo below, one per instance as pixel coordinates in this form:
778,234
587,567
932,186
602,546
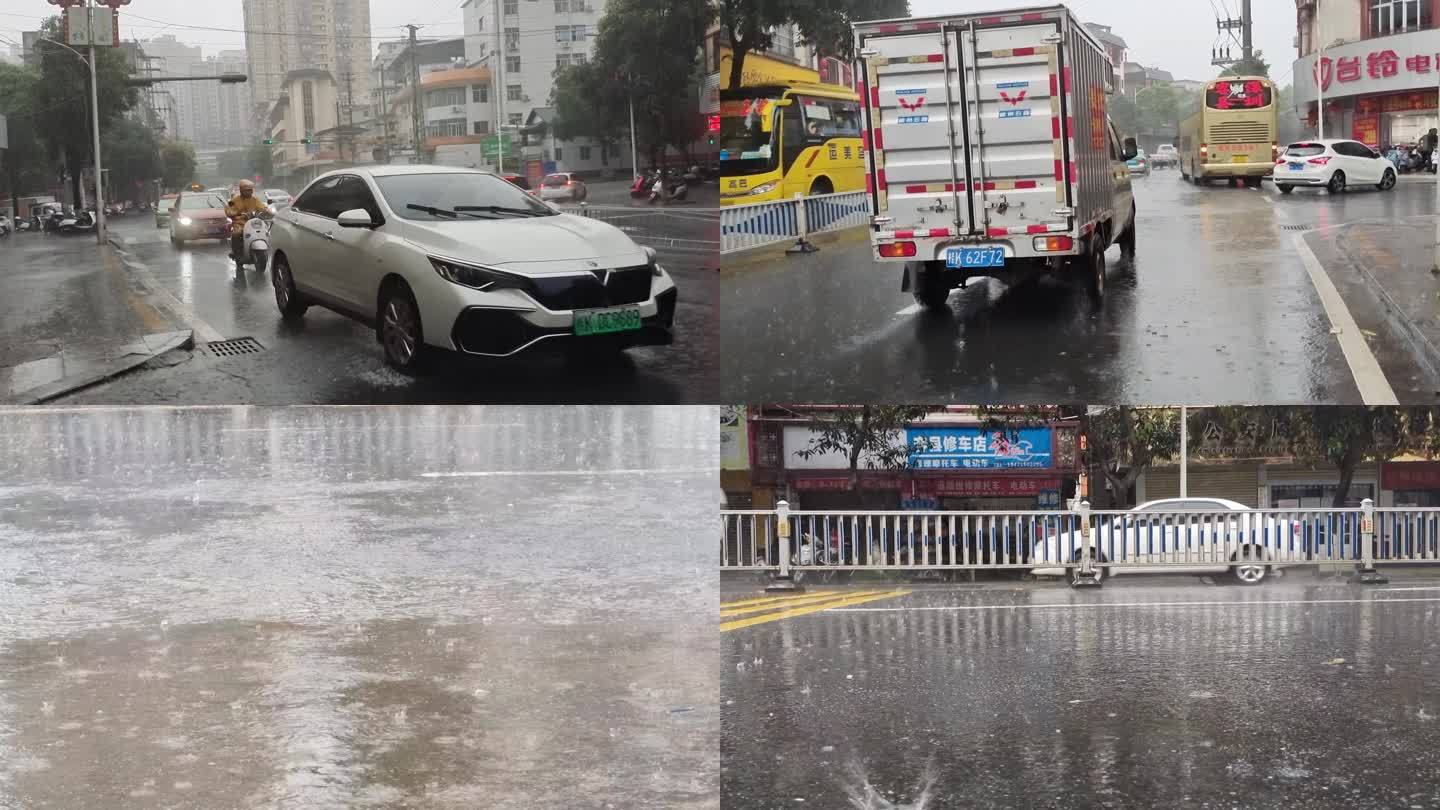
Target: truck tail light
1274,150
1204,151
1054,243
897,250
1319,161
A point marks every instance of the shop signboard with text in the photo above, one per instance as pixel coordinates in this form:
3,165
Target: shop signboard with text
1403,475
956,447
997,487
1408,61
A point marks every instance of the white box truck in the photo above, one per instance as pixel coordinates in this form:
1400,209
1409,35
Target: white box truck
989,151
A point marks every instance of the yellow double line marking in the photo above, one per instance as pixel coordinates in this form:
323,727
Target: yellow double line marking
798,605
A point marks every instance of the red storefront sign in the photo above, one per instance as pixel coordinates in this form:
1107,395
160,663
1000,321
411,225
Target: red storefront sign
1410,475
1366,129
1382,64
993,487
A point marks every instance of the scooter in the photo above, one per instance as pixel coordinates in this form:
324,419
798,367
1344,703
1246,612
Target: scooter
256,239
641,185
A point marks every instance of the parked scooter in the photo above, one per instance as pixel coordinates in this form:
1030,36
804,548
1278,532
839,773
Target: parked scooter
640,187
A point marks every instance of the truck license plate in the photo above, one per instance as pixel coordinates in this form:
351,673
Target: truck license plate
975,257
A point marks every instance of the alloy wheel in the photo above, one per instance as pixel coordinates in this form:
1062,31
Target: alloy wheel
400,328
1250,573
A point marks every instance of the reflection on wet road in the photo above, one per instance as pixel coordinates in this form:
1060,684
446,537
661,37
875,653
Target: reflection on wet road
1217,308
1167,693
374,607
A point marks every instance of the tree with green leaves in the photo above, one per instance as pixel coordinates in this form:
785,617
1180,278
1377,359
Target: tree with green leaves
131,157
247,162
1124,114
749,25
1123,442
25,165
62,98
633,63
873,433
1254,66
1158,109
177,165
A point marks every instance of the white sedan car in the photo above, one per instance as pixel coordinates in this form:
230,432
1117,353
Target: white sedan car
1206,540
1334,164
440,258
563,186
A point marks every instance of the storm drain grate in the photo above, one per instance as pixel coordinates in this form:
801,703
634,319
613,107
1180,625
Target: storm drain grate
234,347
1294,227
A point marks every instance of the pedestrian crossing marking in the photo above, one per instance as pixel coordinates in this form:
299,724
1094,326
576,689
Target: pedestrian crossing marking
807,605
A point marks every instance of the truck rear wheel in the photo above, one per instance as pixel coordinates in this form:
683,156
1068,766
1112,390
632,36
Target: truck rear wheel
932,288
1127,239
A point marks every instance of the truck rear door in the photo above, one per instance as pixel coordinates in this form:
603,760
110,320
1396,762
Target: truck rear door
1015,122
911,137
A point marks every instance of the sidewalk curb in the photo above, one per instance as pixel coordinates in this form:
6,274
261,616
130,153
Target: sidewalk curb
163,343
1426,351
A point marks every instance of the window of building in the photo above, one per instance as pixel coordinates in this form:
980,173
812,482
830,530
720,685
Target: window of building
516,119
1316,496
447,97
512,8
562,6
559,153
512,39
448,127
614,150
307,105
513,92
577,33
480,94
570,33
1396,16
512,64
584,153
479,127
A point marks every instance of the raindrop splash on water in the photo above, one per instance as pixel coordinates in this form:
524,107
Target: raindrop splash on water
864,796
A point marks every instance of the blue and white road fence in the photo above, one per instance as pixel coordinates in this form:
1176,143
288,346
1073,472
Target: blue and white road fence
745,227
779,539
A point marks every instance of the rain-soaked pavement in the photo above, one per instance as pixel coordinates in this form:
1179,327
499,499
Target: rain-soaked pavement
1152,692
63,293
1218,307
490,607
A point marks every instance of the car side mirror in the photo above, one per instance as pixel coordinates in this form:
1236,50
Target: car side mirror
355,218
1131,148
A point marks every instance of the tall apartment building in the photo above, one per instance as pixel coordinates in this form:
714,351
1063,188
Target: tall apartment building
522,42
282,36
171,57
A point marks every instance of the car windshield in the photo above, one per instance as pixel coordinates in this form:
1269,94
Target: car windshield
554,180
447,196
1304,149
276,192
200,202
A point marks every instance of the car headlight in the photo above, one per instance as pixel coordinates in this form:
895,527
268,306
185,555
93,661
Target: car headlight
185,220
476,277
764,188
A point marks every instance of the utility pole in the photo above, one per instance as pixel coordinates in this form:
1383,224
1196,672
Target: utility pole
95,130
349,117
499,88
415,99
1220,54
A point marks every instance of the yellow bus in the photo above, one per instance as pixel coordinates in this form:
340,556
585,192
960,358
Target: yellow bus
777,141
1233,135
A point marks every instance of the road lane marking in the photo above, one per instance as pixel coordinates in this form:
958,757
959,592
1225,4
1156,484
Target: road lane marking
1257,603
802,611
726,611
148,314
1374,388
762,599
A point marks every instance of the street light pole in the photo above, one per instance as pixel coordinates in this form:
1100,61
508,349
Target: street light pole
95,133
1319,72
634,154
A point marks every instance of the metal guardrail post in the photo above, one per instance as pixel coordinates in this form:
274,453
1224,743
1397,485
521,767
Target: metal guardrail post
785,580
802,224
1367,575
1086,576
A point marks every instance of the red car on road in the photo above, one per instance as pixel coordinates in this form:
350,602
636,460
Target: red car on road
199,215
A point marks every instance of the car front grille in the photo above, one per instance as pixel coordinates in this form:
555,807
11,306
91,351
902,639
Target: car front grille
626,285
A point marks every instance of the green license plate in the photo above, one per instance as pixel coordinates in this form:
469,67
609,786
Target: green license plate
605,321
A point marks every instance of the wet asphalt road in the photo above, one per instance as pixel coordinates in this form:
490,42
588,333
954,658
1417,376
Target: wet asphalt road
489,607
61,291
1218,307
1051,698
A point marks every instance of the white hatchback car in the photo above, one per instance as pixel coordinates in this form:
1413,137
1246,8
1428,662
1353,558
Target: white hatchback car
563,186
441,258
1333,163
